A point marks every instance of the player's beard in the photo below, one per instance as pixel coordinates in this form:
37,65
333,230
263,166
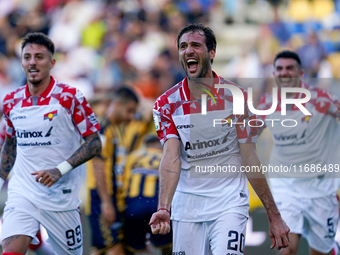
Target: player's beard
35,82
294,82
203,71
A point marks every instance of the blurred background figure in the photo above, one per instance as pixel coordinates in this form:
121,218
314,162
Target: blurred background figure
105,175
141,198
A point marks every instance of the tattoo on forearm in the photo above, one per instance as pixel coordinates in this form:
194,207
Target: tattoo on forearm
10,239
87,150
8,155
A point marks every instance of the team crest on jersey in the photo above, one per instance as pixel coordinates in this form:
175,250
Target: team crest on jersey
228,120
306,118
50,115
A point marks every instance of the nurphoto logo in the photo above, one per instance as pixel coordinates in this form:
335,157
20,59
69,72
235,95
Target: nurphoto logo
238,104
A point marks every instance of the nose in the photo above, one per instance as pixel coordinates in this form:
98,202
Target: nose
189,49
32,61
131,116
283,72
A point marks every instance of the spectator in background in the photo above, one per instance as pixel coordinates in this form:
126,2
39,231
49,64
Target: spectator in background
311,55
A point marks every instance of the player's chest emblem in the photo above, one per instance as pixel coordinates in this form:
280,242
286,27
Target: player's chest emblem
50,115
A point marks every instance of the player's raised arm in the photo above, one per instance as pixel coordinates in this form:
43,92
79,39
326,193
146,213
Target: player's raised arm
278,230
8,155
169,171
90,148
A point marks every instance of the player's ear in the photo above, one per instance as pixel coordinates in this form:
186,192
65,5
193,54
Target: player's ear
212,53
52,63
302,72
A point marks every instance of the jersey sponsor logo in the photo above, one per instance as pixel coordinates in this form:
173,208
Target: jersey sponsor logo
50,115
178,253
156,122
243,194
185,126
228,120
289,137
306,119
75,248
19,117
49,132
28,134
67,191
92,119
35,144
205,144
9,209
35,134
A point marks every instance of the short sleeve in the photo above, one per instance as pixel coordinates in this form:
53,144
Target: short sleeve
83,116
246,126
7,107
164,124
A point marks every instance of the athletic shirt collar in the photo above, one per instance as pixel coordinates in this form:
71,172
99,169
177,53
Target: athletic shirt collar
186,87
45,93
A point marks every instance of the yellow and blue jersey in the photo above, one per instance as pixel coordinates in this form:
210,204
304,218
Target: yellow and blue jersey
141,198
114,156
141,174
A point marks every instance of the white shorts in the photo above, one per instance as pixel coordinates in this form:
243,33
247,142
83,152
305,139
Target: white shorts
316,219
64,228
225,235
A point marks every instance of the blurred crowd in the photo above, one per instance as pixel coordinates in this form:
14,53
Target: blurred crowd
105,43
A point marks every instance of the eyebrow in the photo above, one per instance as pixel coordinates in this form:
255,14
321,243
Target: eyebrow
38,53
191,42
281,66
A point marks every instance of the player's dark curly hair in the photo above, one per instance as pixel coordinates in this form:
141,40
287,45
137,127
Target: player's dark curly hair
38,38
210,39
125,94
288,54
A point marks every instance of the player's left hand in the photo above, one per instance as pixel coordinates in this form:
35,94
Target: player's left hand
278,232
160,222
47,177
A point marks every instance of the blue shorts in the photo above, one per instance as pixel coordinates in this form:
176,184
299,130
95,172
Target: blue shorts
103,236
137,216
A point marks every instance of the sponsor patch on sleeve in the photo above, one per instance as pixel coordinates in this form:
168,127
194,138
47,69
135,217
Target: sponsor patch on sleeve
157,122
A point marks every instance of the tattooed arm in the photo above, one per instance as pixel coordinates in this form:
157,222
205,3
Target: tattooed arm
90,148
8,155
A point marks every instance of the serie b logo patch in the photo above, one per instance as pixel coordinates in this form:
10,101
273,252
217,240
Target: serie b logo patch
50,115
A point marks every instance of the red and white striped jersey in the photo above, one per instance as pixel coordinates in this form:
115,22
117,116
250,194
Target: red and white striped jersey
203,147
2,131
48,129
312,144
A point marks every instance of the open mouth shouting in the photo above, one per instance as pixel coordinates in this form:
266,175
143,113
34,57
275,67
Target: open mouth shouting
192,65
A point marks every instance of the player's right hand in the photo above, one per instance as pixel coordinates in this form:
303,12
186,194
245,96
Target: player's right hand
279,233
108,212
160,222
47,177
